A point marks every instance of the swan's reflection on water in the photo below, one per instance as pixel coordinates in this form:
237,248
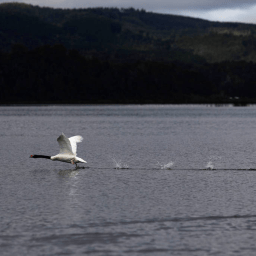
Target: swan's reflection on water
72,198
68,173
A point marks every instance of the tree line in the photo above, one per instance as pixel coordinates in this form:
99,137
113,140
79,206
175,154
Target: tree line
120,33
54,74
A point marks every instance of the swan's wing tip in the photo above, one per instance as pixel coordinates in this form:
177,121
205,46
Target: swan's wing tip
62,135
76,138
73,141
79,138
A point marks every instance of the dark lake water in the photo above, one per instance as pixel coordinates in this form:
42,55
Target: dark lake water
145,191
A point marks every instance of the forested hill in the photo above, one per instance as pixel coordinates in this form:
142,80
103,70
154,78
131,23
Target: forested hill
126,34
109,55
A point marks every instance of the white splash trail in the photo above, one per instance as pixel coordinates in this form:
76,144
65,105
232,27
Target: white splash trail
209,166
166,166
119,164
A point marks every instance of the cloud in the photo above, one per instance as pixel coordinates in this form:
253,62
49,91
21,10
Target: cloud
219,10
245,15
150,5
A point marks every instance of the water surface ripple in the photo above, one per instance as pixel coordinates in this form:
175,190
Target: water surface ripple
160,180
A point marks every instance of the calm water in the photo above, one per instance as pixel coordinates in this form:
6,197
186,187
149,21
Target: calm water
48,208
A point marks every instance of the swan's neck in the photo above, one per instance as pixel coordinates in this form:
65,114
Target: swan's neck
41,156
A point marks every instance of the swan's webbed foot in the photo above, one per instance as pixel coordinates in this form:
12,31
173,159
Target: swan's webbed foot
72,161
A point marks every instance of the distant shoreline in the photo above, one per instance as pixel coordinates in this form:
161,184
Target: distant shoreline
220,103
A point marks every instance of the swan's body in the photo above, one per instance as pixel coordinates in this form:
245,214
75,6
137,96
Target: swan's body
68,149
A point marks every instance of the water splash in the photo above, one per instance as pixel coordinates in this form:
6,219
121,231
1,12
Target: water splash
167,166
213,158
119,164
209,166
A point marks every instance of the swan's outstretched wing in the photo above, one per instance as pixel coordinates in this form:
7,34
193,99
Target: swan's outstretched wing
65,146
73,140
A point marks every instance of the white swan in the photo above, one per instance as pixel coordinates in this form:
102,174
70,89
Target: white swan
67,150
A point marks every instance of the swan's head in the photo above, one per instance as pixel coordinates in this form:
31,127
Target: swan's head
32,156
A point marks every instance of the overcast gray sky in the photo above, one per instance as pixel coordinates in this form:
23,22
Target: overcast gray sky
216,10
